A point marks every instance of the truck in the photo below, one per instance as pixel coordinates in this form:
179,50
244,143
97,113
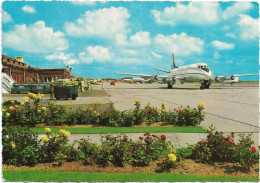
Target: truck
66,88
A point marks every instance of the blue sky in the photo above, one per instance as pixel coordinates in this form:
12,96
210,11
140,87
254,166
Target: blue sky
100,38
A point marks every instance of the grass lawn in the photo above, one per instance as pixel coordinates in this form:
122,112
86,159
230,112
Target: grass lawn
55,176
103,130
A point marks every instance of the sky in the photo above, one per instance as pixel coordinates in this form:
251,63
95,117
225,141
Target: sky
99,38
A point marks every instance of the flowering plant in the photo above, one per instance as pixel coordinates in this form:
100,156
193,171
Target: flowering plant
220,148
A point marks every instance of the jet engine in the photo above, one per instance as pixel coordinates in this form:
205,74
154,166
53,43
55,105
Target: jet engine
155,76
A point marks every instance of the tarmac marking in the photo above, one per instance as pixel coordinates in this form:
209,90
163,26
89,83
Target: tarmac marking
69,101
216,115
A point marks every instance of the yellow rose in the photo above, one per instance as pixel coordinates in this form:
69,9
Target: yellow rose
173,151
16,106
7,114
45,139
67,134
3,109
22,103
172,157
137,100
62,131
94,102
44,108
10,107
47,130
42,95
202,105
26,99
34,95
13,144
12,101
39,111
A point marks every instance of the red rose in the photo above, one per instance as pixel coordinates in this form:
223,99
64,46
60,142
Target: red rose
3,131
141,138
253,149
146,140
154,136
231,141
223,138
147,149
136,145
147,134
125,139
205,142
237,148
13,109
163,137
33,107
199,142
130,151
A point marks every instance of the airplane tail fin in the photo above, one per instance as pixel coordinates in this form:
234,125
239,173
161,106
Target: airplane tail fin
173,63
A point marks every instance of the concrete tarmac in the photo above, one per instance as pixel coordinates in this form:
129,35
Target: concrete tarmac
228,108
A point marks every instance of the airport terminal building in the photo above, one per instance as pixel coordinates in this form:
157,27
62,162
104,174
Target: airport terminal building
20,72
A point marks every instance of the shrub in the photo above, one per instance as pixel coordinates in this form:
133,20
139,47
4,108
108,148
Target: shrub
70,153
53,145
20,146
169,162
189,117
56,114
82,116
118,148
148,148
218,148
89,150
138,113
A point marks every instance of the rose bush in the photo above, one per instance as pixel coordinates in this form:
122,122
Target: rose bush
220,148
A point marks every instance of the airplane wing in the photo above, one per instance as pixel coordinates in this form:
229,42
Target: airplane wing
141,75
161,70
237,75
230,77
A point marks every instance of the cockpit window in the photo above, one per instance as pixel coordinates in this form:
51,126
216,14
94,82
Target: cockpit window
204,67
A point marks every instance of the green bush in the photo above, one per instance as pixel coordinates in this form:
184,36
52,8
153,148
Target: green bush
218,148
20,146
89,150
56,114
70,153
52,146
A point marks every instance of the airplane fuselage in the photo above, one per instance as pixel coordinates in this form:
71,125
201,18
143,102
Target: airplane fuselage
191,73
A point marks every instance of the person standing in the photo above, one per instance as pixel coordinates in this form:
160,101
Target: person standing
52,90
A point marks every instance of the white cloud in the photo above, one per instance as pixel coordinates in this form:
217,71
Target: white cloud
6,17
58,56
156,55
129,52
182,45
95,53
230,34
222,45
84,2
236,9
28,9
35,38
216,55
141,39
200,13
249,27
104,23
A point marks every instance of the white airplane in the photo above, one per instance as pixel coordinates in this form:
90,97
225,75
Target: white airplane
144,78
199,72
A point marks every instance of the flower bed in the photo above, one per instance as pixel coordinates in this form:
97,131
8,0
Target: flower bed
31,112
21,147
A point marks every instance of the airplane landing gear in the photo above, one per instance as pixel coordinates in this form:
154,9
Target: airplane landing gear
205,85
